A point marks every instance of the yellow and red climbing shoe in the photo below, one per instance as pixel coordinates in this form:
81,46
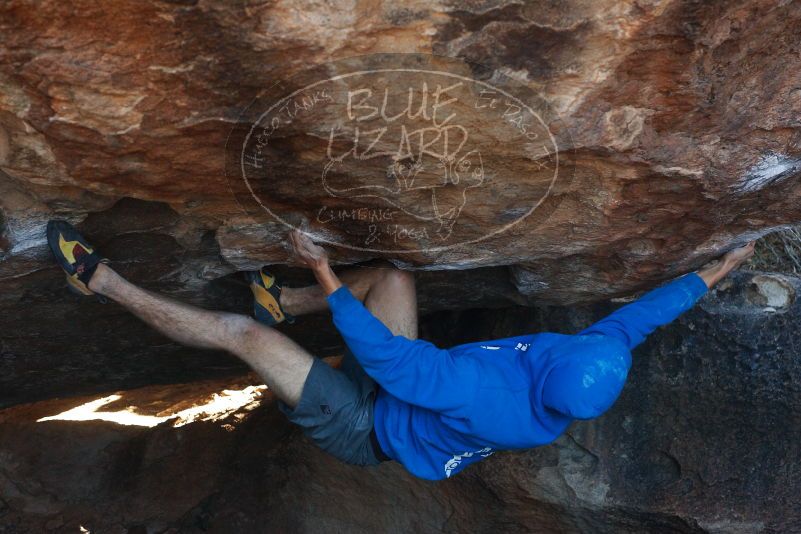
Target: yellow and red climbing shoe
73,254
267,298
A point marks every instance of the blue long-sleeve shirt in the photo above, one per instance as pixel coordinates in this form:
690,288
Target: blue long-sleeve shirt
439,410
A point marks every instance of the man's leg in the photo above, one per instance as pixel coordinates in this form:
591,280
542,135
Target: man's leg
391,296
281,362
387,292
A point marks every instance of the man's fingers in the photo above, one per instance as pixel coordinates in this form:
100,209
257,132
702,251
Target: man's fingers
304,248
300,240
297,249
293,235
305,241
296,236
300,244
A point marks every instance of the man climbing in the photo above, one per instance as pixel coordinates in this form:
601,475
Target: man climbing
397,397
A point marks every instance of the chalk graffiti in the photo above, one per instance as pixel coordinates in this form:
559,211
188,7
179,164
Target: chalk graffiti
397,155
423,160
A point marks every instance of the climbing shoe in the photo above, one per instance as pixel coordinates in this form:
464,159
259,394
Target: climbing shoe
74,255
267,298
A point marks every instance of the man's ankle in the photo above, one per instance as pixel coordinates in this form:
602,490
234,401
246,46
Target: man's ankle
286,300
97,283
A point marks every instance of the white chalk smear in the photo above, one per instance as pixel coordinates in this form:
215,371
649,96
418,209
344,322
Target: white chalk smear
771,167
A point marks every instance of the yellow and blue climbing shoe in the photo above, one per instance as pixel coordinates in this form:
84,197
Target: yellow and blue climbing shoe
73,254
267,298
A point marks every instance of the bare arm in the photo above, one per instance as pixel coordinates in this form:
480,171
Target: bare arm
715,273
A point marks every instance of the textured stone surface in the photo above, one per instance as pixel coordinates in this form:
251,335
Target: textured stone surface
679,122
703,439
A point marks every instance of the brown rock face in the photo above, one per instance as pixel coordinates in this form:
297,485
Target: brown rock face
675,125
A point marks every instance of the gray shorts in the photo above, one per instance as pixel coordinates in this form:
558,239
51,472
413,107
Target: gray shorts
336,411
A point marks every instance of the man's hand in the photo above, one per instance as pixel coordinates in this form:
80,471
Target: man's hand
738,256
304,249
730,261
316,258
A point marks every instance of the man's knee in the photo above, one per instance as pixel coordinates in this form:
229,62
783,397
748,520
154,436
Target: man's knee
397,277
240,327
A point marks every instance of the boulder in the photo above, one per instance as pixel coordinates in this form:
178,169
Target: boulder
675,126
